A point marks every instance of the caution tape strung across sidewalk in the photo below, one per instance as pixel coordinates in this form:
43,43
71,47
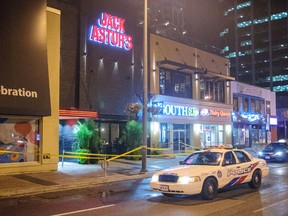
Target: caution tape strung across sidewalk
80,155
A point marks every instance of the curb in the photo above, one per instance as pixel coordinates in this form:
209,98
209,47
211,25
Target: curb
86,183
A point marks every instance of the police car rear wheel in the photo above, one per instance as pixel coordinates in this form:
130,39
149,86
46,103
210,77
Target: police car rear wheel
209,189
255,182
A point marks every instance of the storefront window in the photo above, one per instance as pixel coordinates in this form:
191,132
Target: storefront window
211,135
175,84
104,132
164,135
21,138
221,134
241,135
268,109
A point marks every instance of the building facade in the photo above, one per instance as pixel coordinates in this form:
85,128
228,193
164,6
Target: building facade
29,92
191,89
254,116
254,36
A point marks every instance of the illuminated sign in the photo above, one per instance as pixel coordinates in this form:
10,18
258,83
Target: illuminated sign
111,31
219,113
273,121
247,117
178,110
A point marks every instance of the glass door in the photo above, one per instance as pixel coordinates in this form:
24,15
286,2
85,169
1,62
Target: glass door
179,137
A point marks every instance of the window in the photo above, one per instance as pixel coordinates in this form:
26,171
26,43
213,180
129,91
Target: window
229,159
246,104
240,104
19,136
164,134
175,84
268,109
242,157
252,105
212,91
235,103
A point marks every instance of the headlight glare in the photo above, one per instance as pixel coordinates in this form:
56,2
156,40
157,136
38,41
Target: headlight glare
279,153
155,178
188,179
260,153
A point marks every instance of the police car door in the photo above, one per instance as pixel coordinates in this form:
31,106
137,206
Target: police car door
232,174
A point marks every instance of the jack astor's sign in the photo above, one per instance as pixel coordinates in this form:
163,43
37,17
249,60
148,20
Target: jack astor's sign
111,31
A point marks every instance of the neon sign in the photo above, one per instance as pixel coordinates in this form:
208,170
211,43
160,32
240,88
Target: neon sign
111,31
178,110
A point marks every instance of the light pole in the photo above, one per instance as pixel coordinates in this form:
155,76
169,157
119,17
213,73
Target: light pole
145,88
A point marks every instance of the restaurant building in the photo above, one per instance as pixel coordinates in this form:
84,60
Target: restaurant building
254,116
192,91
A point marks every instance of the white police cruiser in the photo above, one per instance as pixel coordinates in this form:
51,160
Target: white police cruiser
204,172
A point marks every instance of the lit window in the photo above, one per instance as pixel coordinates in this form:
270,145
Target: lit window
246,43
243,5
279,16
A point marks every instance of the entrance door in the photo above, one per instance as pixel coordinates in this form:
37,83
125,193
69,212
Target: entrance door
178,141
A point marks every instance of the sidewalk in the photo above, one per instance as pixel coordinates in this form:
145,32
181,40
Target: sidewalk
73,175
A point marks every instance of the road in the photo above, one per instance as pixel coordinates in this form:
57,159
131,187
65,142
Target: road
135,198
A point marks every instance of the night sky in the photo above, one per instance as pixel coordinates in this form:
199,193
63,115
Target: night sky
201,20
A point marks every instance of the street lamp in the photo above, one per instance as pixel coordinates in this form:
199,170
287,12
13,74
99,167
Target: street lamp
145,91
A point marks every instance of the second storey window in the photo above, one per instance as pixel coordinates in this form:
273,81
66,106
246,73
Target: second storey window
173,83
212,91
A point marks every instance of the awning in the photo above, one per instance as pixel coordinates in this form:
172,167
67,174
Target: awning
65,114
194,70
180,67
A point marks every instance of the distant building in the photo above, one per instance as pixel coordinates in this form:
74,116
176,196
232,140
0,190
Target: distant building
254,36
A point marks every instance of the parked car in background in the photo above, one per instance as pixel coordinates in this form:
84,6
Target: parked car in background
275,151
204,172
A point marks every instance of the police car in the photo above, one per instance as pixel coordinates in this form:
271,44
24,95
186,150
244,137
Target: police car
204,172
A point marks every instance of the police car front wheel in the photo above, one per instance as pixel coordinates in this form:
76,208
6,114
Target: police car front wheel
209,189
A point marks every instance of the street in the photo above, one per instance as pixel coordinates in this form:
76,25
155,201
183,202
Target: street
134,197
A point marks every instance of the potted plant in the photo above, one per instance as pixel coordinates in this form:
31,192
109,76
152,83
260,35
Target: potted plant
88,140
132,137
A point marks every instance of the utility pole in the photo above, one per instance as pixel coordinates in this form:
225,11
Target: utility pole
145,92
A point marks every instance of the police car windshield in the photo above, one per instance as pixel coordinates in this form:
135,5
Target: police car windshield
204,158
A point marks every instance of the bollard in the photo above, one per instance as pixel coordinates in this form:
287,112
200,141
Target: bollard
63,158
104,165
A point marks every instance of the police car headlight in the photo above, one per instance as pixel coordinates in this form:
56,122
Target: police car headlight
188,179
155,178
279,153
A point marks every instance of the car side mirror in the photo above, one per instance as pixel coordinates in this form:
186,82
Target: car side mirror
181,162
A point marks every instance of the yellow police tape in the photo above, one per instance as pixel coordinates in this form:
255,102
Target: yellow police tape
80,155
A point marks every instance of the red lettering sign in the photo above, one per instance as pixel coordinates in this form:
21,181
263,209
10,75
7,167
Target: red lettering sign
111,31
